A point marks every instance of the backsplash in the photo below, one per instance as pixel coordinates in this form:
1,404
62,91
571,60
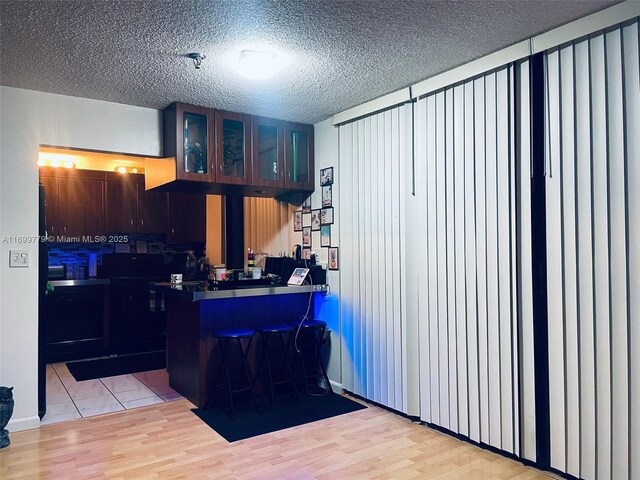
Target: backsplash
75,256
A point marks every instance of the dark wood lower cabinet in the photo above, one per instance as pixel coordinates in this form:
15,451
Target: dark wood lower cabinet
75,322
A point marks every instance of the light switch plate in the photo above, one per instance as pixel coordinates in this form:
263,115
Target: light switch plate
18,258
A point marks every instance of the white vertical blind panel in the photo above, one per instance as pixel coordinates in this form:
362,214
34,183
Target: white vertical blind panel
451,261
585,263
470,262
432,231
460,258
468,146
481,255
617,256
601,257
554,270
418,219
441,209
566,172
526,365
505,282
371,151
593,266
493,309
631,55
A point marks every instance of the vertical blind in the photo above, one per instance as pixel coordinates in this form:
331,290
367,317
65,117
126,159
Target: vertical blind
374,153
266,225
593,256
468,307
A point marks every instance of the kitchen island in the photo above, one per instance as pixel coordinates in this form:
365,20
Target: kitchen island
193,312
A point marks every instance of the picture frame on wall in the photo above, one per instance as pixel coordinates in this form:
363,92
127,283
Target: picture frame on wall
334,260
326,216
325,236
306,236
306,253
315,220
306,205
297,221
326,196
326,176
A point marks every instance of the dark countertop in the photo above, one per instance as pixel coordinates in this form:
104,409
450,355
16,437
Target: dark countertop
80,283
197,291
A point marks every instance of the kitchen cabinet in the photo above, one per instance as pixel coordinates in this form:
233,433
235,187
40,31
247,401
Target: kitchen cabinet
74,202
267,136
52,224
299,160
189,137
233,148
187,218
130,209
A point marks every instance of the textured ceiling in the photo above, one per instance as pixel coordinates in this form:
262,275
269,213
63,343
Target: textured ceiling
341,53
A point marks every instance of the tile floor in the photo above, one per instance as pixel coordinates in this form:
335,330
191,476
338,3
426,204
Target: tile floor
68,399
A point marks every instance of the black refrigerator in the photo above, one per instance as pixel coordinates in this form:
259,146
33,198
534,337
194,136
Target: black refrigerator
43,269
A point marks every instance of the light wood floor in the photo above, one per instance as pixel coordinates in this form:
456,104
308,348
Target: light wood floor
167,441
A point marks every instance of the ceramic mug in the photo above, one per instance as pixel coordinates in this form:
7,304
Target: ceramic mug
176,278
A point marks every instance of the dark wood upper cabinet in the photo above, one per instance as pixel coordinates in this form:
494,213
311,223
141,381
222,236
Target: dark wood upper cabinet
80,206
267,137
122,204
188,135
130,209
51,221
187,218
233,148
152,211
298,153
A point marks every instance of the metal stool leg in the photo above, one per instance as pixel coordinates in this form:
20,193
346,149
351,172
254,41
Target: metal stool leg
244,355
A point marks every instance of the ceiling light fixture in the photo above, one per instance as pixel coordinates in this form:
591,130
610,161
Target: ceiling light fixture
197,59
258,65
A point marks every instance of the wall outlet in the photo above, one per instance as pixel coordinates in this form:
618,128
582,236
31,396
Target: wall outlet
18,258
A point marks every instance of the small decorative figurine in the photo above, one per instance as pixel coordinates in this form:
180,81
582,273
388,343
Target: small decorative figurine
6,410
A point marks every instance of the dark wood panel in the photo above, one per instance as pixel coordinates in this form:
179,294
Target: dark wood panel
81,206
121,206
187,218
51,205
152,211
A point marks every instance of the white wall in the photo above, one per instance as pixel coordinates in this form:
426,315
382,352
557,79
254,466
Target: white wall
326,155
27,120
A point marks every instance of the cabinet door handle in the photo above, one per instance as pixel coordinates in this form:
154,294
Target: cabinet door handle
131,221
173,231
142,222
65,229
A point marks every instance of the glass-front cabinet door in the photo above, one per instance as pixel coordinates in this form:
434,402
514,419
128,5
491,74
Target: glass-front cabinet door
233,140
268,152
188,136
299,156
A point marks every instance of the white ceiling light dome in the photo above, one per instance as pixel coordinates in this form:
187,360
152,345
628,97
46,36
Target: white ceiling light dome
259,64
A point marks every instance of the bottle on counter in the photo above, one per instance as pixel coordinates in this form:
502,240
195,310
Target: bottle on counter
203,267
190,266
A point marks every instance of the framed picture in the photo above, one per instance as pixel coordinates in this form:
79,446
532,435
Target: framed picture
306,253
333,258
326,216
306,205
325,236
315,220
306,236
297,221
326,196
326,176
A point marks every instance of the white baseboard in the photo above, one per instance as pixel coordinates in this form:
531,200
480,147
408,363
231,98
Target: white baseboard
28,423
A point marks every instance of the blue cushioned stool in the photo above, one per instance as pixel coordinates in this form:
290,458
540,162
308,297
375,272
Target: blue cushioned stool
268,335
314,369
235,336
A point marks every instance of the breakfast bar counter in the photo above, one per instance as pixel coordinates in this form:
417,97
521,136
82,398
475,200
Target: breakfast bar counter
193,313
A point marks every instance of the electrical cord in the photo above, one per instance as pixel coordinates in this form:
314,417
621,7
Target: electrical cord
302,320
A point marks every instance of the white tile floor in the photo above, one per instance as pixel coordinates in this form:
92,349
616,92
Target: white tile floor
68,399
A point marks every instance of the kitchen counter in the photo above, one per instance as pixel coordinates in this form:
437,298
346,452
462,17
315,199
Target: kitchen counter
80,283
194,313
198,291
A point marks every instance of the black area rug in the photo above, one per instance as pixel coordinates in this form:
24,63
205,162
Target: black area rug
286,413
120,365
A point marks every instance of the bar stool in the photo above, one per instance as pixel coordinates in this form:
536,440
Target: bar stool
225,337
276,333
315,371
